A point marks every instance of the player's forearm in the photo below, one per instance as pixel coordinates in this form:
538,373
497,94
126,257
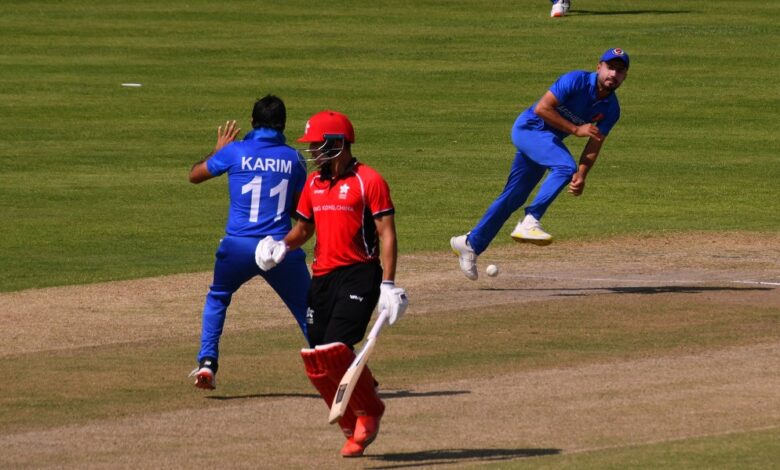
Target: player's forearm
554,119
389,256
586,163
589,155
300,234
388,246
200,172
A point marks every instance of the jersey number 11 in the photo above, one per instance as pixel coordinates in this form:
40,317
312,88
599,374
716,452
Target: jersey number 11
254,187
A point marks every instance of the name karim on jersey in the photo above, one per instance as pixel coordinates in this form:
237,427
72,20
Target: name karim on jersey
266,164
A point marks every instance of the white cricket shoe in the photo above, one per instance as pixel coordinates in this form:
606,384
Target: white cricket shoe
559,9
529,230
466,256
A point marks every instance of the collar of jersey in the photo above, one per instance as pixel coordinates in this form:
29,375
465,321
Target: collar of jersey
325,172
265,133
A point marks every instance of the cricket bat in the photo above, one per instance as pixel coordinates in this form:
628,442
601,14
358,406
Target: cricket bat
351,376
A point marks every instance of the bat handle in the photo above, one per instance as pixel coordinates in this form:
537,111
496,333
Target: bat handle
378,324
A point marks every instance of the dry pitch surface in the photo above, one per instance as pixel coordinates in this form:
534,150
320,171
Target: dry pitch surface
486,418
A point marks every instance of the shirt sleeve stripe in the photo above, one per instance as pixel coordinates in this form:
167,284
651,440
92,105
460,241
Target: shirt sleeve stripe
384,212
304,218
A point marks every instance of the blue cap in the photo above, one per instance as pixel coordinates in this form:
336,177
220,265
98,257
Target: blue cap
615,53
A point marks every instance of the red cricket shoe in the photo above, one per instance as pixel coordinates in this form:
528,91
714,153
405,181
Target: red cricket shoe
366,429
352,449
205,374
204,378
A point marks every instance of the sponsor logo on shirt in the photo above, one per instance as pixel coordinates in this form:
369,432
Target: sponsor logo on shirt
334,207
564,111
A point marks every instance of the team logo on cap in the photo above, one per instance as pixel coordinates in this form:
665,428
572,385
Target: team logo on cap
618,51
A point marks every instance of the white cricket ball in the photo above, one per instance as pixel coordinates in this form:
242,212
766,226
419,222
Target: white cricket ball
492,270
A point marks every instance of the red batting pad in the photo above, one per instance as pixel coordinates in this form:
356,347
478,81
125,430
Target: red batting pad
320,377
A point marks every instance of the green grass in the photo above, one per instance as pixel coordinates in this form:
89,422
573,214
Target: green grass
93,183
755,449
78,385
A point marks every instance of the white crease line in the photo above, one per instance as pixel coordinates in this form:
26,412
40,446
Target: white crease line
763,283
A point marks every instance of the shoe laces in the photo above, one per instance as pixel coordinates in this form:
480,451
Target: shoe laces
533,224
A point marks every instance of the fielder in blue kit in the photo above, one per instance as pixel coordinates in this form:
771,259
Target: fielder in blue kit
580,103
265,180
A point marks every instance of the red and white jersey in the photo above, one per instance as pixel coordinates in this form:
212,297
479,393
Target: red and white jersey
343,211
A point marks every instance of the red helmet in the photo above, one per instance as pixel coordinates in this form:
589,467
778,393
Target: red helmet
328,125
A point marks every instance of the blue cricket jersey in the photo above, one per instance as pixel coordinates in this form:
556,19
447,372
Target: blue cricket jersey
264,175
577,93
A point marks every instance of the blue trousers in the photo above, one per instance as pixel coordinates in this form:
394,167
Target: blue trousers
537,152
235,265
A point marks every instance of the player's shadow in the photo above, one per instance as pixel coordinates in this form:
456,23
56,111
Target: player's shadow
385,394
263,395
583,291
434,457
578,12
679,289
393,394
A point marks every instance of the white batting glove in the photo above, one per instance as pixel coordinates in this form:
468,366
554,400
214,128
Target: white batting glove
393,299
269,253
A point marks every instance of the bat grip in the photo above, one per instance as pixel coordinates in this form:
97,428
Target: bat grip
378,324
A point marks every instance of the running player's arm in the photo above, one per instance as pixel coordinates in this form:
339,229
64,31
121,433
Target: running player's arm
296,199
587,159
303,229
546,109
200,171
388,248
301,232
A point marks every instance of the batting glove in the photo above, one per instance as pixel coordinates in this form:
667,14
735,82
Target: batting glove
269,253
394,300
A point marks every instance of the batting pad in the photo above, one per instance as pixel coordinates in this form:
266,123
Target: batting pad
321,379
336,357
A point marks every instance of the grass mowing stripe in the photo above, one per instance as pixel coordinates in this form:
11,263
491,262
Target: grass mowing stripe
50,389
94,178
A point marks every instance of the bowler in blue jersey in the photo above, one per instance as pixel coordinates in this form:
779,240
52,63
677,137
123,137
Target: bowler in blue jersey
265,180
579,103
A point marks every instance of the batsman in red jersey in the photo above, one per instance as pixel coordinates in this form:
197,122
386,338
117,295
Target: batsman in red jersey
348,206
